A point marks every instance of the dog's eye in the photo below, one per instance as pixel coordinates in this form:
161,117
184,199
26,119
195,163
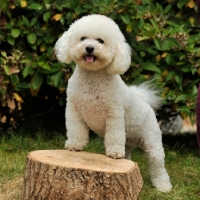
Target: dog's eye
83,38
100,40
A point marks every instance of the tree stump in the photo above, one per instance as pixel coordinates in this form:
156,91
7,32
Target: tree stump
62,174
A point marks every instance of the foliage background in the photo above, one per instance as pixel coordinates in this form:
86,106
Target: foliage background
164,37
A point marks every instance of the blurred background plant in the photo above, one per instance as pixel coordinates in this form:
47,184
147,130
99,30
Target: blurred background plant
164,37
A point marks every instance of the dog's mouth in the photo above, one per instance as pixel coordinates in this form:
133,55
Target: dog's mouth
89,58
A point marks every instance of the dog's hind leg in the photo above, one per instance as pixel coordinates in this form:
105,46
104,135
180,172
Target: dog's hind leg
128,151
130,145
155,154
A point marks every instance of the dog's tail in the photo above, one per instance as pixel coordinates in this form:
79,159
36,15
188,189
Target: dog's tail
148,93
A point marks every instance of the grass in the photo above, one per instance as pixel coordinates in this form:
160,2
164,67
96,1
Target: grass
182,163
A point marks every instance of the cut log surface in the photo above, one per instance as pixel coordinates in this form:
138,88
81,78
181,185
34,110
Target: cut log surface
67,175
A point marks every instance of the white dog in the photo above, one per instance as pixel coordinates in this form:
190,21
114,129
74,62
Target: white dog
99,100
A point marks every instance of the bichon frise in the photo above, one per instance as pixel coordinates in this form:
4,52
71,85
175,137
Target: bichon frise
99,100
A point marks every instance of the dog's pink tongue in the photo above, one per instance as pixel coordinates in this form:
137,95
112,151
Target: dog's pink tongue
89,59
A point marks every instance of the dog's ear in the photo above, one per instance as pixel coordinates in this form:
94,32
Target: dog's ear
62,48
122,59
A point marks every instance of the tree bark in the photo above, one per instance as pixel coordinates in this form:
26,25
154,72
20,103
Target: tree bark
67,175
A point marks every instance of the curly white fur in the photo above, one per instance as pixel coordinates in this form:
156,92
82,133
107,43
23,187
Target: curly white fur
99,100
147,92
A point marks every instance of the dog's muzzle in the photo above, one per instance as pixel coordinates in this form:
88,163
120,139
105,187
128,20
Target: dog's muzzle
89,58
89,49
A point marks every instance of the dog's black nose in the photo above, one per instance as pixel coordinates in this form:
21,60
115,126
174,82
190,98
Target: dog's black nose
89,49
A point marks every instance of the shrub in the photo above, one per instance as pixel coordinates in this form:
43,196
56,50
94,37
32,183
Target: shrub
164,37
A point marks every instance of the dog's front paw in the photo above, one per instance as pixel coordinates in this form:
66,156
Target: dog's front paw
74,145
115,152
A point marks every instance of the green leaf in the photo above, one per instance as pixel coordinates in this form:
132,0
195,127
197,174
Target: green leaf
33,21
182,97
67,4
40,63
10,40
170,75
171,95
25,21
47,1
69,17
185,68
154,23
184,109
48,39
56,78
193,70
194,90
151,67
125,18
78,10
36,81
142,54
9,26
46,16
34,46
130,27
166,31
180,55
44,65
193,38
52,70
136,72
168,8
159,7
170,59
141,23
179,79
4,5
59,7
181,3
15,32
31,37
35,6
24,85
98,3
62,20
168,43
6,69
151,51
47,6
27,71
39,41
158,43
175,24
14,79
4,54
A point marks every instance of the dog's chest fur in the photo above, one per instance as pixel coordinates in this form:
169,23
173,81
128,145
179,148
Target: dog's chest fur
92,96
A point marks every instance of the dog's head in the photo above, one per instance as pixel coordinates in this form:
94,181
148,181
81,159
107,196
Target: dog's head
94,42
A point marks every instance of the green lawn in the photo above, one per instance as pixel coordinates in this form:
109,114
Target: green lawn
182,163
